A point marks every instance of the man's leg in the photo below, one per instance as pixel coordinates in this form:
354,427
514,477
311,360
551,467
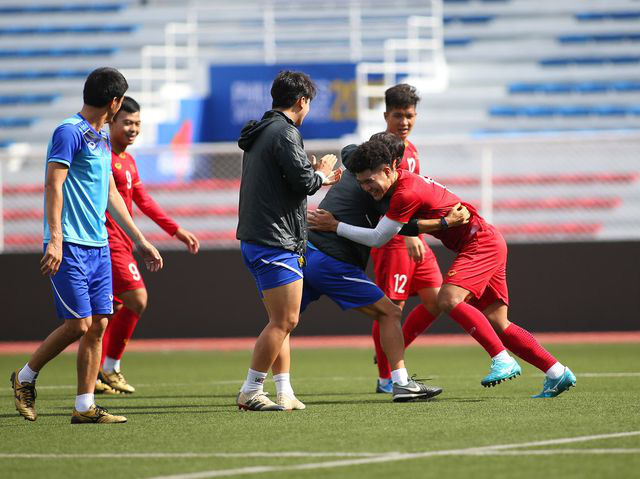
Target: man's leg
451,299
417,322
521,342
120,330
389,316
281,376
283,308
24,380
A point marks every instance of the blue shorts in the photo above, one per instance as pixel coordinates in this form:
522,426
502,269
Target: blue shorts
271,267
347,285
82,286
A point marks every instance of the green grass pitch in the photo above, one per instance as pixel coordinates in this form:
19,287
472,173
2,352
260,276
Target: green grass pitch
183,422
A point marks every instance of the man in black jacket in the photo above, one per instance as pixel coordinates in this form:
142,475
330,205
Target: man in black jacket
277,177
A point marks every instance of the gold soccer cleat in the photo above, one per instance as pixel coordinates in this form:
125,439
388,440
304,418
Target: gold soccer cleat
103,388
25,397
116,381
289,403
96,415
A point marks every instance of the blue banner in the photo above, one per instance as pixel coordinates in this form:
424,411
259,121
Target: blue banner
240,93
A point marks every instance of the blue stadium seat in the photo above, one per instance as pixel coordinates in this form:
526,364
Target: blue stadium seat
467,19
574,87
57,52
537,111
5,143
599,60
16,122
457,42
42,74
78,29
600,37
27,99
517,132
615,15
71,8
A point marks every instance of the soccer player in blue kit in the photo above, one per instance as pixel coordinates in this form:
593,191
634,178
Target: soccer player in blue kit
79,187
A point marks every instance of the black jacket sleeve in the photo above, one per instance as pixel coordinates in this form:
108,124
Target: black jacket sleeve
294,164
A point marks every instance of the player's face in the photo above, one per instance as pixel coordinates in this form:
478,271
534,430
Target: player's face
125,128
377,182
400,121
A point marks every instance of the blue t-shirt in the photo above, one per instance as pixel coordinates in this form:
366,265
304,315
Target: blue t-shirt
85,191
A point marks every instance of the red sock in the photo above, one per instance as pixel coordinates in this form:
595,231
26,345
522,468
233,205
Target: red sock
523,344
417,322
475,323
122,326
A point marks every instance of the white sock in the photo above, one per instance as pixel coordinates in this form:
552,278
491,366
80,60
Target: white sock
111,365
283,384
555,371
84,402
502,356
254,381
400,376
27,375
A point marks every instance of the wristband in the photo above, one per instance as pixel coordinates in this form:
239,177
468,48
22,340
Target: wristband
443,223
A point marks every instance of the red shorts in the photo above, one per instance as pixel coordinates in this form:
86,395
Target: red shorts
399,276
126,275
481,269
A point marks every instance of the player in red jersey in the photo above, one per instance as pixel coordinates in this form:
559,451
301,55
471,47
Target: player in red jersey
477,279
128,287
405,266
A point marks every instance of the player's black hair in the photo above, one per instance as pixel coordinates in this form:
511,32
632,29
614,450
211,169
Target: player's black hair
370,155
401,96
393,142
103,85
129,105
288,87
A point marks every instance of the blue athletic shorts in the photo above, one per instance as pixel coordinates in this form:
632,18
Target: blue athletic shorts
82,286
347,285
271,267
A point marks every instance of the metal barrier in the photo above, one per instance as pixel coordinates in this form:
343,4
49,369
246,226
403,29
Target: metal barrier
533,190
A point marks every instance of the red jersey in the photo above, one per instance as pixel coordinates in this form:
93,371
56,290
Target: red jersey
130,187
410,162
424,198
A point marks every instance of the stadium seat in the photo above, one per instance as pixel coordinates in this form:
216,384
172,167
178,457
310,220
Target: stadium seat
42,74
574,87
69,8
600,37
612,15
64,29
16,122
57,52
29,99
563,110
590,60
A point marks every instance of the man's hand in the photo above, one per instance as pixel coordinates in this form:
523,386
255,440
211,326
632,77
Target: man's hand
188,238
325,165
152,259
415,248
459,215
333,177
50,262
322,220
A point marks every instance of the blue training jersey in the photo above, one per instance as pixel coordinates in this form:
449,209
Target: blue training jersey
85,191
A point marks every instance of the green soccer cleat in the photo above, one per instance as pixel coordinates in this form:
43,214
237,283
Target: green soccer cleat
554,387
501,371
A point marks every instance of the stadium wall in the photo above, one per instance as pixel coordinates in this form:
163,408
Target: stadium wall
591,286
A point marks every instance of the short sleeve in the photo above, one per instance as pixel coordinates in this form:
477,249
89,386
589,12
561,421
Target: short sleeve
403,205
65,143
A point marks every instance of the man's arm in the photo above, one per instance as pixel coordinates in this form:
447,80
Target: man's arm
150,208
56,175
119,212
322,220
457,216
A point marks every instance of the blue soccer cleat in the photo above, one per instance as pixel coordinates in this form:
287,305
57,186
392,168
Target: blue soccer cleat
501,371
555,387
384,386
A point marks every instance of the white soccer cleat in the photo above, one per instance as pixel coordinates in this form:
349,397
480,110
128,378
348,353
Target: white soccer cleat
289,403
257,401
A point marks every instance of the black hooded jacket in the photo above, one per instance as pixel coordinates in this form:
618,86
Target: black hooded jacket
276,180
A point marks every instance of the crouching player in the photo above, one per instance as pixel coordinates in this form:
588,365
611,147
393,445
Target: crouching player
128,287
477,279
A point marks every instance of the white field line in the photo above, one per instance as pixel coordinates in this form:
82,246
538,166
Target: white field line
189,455
390,457
553,452
332,378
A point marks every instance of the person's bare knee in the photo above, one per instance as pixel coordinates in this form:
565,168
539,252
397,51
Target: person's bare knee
98,326
498,316
448,300
286,323
135,300
429,299
76,328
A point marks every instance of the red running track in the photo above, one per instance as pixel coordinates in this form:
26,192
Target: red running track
312,342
